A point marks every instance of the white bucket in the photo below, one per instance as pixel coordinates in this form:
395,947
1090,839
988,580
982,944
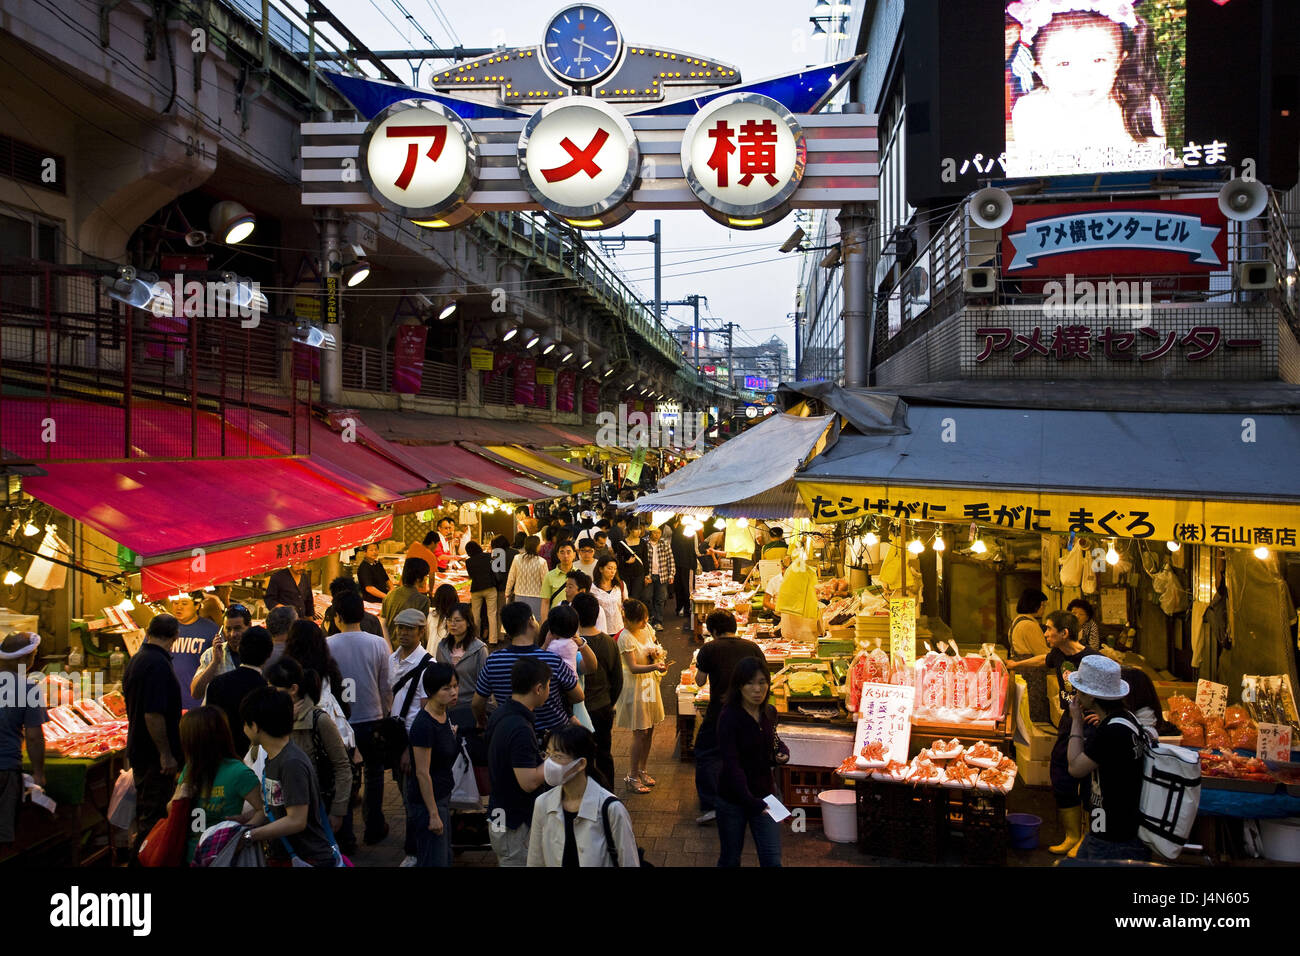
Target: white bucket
1281,839
839,815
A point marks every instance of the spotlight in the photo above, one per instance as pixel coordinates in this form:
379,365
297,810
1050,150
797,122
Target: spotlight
586,364
532,339
30,529
12,577
448,311
240,294
566,355
1173,546
127,604
312,336
548,345
608,372
141,290
358,270
720,524
742,522
231,221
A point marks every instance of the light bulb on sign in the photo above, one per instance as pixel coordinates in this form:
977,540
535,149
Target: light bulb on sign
1261,552
1112,556
720,524
915,546
1173,546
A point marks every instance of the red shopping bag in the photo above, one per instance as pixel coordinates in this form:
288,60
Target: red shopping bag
165,844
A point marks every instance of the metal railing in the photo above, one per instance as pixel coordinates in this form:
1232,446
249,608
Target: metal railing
370,369
930,289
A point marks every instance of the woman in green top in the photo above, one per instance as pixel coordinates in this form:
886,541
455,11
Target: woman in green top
213,777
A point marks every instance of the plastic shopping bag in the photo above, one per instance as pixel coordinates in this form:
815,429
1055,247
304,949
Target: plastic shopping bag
121,806
464,789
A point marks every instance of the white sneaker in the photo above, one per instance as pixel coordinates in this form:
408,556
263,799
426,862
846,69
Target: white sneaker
408,861
706,818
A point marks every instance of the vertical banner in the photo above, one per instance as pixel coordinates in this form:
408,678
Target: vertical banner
502,363
408,359
306,363
525,381
902,629
638,463
590,396
564,383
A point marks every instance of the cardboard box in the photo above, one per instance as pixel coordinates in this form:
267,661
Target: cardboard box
1034,773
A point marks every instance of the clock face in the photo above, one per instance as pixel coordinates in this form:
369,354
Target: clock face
582,44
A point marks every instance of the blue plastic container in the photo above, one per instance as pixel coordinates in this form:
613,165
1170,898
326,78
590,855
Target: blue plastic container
1022,830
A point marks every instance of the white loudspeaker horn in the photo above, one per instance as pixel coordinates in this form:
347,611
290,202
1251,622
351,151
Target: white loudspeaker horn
979,280
990,208
1256,276
1241,200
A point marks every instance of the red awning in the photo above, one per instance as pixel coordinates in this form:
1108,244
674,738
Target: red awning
457,466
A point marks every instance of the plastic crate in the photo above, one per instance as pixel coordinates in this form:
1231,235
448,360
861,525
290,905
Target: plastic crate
800,785
918,825
874,817
983,822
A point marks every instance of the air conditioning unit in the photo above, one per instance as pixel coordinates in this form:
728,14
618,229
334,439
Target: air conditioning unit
979,280
1255,276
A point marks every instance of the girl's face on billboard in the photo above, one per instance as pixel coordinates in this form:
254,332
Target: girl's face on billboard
1081,60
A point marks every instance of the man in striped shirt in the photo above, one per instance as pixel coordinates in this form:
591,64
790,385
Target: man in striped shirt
662,570
494,679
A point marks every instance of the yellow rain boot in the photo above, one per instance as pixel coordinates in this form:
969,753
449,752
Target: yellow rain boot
1072,820
1074,850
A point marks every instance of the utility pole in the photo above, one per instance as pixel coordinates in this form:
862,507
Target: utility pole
694,302
607,244
728,328
331,360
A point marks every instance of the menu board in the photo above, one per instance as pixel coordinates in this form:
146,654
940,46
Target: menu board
902,629
1212,698
1274,742
886,711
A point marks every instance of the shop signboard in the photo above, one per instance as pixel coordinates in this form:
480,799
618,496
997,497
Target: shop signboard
886,711
1273,742
578,157
481,360
419,159
408,359
1133,237
168,577
1212,698
1217,523
756,383
902,629
546,376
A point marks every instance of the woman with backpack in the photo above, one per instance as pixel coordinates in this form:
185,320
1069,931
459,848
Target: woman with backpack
316,735
434,749
1112,757
578,822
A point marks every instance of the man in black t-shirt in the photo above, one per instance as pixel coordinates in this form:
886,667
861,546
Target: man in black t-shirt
153,712
515,762
372,579
714,665
1112,760
229,690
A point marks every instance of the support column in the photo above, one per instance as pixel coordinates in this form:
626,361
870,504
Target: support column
331,360
855,220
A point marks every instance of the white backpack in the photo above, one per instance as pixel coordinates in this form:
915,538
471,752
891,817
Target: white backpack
1171,793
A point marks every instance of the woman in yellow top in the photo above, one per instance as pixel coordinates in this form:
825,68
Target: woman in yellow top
640,707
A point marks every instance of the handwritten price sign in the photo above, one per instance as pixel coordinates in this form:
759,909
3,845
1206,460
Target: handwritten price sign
1212,698
902,629
1274,742
887,717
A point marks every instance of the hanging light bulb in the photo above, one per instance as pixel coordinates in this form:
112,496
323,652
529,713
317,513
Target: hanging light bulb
1173,546
1112,556
938,541
30,529
12,577
127,604
742,522
720,524
915,546
979,547
871,539
1261,552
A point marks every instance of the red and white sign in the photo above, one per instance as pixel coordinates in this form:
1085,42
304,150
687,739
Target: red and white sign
744,154
298,547
408,359
1273,742
578,157
419,158
886,711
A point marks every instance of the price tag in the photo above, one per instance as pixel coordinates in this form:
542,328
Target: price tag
1212,698
1274,742
886,717
902,629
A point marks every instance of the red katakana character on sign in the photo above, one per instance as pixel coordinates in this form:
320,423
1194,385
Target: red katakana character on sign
758,151
722,148
439,134
581,160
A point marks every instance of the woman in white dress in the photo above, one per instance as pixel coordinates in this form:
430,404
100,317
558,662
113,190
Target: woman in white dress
640,707
608,589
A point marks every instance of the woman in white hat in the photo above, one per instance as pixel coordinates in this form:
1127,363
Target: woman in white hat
1112,757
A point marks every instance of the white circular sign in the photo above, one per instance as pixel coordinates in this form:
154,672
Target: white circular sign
744,154
419,158
751,411
578,157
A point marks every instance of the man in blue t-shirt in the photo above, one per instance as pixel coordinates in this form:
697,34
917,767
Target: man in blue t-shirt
196,634
21,717
494,679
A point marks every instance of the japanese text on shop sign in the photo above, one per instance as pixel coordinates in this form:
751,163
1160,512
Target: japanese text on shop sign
1068,342
1273,742
1212,698
298,547
1182,233
757,150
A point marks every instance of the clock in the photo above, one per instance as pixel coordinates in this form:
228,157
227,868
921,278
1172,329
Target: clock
582,45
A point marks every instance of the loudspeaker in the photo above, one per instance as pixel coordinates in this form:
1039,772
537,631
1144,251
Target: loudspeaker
1241,200
990,208
1254,276
979,280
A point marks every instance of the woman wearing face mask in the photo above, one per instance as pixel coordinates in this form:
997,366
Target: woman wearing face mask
433,753
573,821
747,746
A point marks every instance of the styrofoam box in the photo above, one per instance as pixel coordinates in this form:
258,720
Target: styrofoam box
1035,773
685,701
812,746
1040,743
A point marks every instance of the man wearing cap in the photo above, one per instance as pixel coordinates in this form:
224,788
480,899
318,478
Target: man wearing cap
406,667
153,713
1112,757
21,716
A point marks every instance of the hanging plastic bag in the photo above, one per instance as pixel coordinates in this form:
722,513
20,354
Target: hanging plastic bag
1173,599
121,806
464,789
1072,565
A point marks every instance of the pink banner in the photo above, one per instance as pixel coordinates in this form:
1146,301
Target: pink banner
306,363
408,359
564,383
590,396
525,381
